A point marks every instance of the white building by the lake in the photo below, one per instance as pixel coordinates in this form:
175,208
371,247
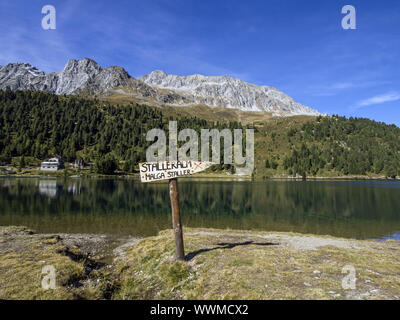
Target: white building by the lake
52,164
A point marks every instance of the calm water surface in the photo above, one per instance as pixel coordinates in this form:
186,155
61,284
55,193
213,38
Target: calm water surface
356,209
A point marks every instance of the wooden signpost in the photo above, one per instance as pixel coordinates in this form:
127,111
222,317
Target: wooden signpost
171,170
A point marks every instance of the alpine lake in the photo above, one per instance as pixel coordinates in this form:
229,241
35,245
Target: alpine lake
127,207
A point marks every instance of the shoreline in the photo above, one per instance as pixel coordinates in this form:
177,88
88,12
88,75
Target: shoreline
231,264
211,176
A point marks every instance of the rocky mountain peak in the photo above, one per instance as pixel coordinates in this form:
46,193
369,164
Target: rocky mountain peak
86,65
14,76
155,76
76,75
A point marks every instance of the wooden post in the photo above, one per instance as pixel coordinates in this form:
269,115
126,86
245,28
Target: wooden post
176,218
154,171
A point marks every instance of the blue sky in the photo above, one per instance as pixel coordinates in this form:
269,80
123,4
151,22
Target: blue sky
296,46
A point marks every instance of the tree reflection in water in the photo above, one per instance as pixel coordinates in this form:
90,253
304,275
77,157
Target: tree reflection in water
357,209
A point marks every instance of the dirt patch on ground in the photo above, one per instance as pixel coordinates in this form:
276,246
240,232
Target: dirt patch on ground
291,241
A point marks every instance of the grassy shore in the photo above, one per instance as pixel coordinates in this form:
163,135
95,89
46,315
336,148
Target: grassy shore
220,264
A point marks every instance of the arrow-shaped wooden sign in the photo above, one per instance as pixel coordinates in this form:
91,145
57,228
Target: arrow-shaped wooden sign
171,170
165,170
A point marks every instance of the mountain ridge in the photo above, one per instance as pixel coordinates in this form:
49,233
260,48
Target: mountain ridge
87,77
225,91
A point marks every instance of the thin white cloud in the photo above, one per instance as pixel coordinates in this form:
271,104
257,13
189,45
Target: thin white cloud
338,87
388,97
